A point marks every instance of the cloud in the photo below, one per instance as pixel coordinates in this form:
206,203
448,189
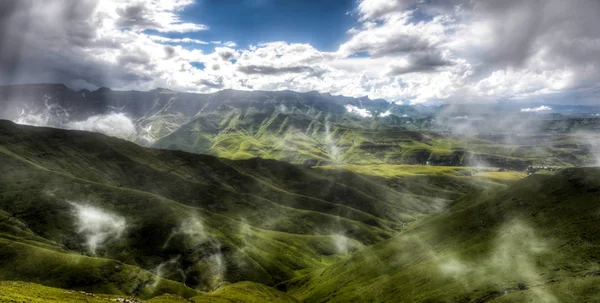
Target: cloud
176,41
410,51
358,111
395,35
428,61
385,114
270,70
542,108
212,83
114,124
230,44
157,15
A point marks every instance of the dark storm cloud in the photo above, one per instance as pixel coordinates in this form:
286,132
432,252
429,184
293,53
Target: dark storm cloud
521,29
10,44
270,70
49,42
382,9
225,53
423,62
32,32
136,16
396,44
138,57
215,83
169,51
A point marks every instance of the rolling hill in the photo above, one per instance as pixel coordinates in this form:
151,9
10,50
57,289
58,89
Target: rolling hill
85,211
88,212
533,241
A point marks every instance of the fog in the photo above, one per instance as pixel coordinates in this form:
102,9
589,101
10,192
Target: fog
361,112
517,253
113,124
96,225
193,234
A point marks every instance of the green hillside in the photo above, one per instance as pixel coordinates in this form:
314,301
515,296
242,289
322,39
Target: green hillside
86,211
81,211
291,128
239,292
533,241
303,135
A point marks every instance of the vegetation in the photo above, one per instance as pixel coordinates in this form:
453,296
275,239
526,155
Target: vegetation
193,219
86,217
533,240
240,292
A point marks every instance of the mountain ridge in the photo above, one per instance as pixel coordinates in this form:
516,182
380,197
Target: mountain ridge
309,128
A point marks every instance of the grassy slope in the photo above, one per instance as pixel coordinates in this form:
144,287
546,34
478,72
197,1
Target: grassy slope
261,220
240,292
302,134
249,253
534,240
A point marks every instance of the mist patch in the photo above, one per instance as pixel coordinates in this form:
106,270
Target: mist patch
542,108
362,112
113,124
97,226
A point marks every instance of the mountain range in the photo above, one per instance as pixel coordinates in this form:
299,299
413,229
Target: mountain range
313,128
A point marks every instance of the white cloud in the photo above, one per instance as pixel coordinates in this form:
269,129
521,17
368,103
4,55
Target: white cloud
114,124
358,111
542,108
173,40
230,44
410,51
385,114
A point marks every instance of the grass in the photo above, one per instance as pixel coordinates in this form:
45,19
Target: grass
532,240
262,220
305,135
203,228
246,292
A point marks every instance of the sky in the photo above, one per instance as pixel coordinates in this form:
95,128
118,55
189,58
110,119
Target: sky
410,51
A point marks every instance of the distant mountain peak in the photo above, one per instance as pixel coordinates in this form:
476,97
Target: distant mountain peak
103,90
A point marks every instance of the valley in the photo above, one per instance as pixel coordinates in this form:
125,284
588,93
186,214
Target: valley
286,197
265,151
88,212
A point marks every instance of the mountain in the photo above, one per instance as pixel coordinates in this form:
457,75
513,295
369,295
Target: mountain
535,241
88,212
313,128
82,210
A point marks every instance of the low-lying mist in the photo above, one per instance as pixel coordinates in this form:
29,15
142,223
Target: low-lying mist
517,253
96,225
192,234
114,124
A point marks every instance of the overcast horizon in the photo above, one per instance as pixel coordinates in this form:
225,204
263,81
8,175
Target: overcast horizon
403,51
